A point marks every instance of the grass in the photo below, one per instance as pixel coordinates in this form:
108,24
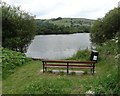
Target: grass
28,79
31,80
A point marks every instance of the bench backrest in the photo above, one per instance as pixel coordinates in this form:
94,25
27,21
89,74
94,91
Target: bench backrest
69,61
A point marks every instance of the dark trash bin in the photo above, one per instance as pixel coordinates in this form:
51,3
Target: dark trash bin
94,55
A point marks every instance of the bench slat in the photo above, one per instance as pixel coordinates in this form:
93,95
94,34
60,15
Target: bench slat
81,67
68,61
69,65
54,65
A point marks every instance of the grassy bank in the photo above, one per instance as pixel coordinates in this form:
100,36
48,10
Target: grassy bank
28,79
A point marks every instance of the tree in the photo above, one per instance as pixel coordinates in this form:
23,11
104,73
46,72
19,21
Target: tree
97,34
107,27
18,28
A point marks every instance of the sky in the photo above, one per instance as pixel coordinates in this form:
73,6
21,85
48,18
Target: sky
47,9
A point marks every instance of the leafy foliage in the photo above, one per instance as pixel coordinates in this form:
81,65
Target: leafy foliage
18,28
107,27
12,60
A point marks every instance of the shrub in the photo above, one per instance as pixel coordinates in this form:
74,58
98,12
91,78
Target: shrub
12,60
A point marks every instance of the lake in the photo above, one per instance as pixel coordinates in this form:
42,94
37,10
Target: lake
58,46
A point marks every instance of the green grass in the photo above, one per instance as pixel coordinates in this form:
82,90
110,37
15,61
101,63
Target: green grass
28,79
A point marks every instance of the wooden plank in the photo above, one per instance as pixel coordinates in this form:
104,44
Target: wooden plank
69,61
54,65
80,66
68,65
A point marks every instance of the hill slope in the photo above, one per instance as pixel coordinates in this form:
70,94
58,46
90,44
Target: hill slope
63,25
71,22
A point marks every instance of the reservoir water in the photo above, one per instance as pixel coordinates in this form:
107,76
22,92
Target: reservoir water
58,46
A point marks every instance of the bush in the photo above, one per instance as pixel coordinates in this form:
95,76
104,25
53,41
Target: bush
18,28
12,60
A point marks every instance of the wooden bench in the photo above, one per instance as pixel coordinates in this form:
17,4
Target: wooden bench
68,64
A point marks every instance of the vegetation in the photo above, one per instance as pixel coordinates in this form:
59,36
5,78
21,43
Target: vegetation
18,28
106,28
24,76
63,25
11,60
81,55
28,79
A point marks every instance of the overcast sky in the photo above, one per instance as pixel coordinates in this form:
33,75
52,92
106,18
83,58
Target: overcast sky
46,9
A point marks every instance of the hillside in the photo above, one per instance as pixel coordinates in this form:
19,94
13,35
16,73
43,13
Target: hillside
71,22
63,25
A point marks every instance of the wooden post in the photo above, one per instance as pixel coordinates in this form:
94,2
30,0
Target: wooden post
93,67
67,68
43,66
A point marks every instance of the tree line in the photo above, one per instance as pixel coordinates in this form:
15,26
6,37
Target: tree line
44,27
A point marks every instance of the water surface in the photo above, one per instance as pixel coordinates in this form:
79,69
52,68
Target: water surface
58,46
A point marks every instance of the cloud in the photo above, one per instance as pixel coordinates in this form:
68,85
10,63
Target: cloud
66,8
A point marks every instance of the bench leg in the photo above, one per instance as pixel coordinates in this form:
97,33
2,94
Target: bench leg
43,68
67,69
91,70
